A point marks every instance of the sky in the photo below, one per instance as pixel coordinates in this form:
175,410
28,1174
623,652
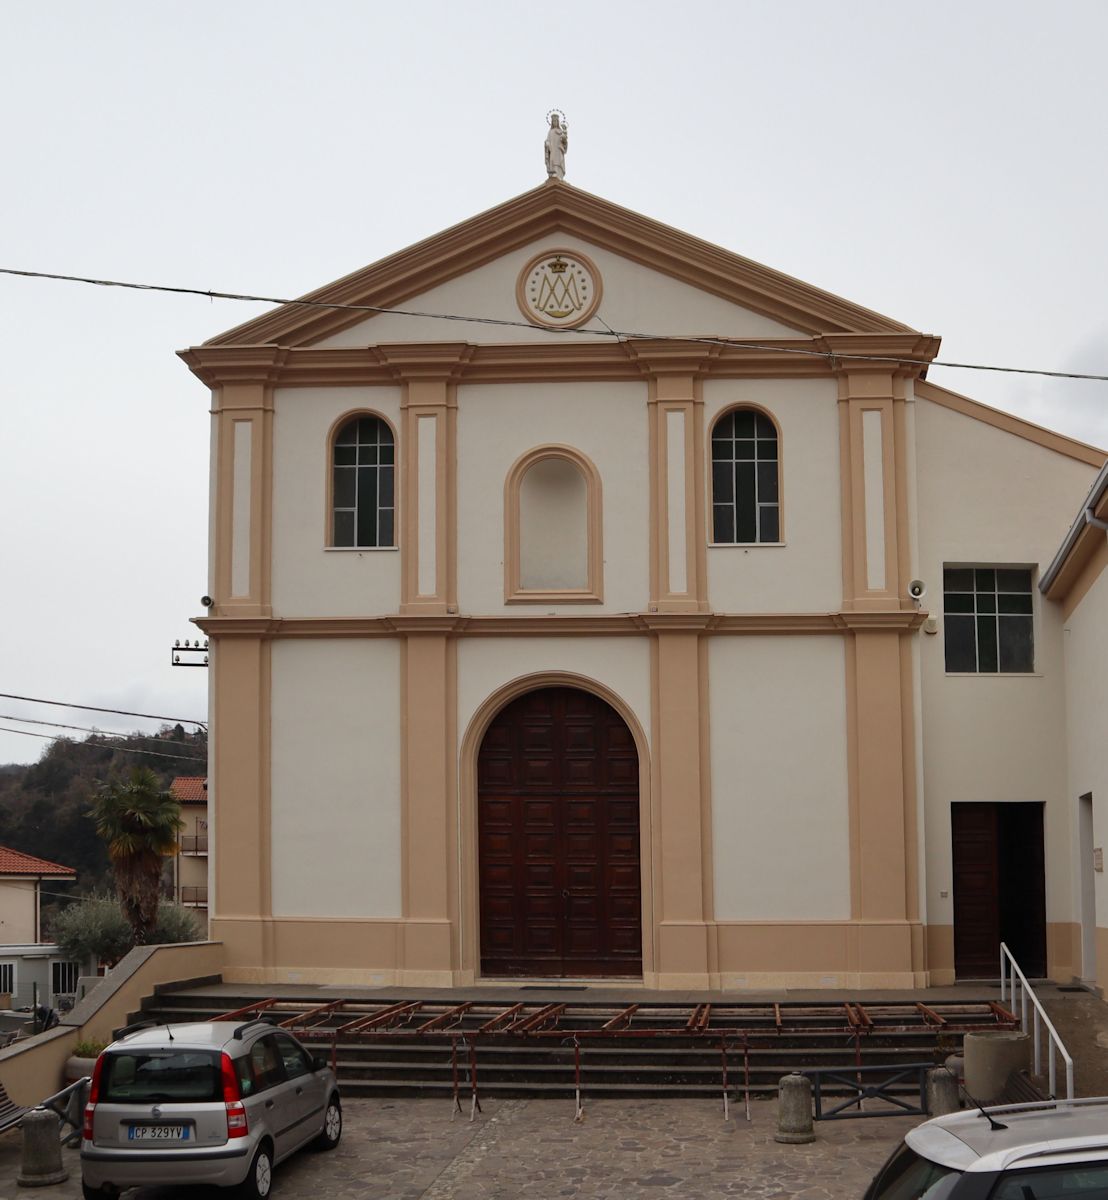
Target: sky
943,164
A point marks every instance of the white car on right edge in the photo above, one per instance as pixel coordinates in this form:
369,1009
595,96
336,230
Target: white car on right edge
1051,1150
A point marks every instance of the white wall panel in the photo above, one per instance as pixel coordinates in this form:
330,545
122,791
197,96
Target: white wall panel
780,802
336,778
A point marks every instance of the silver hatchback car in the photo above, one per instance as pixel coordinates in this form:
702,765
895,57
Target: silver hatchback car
217,1103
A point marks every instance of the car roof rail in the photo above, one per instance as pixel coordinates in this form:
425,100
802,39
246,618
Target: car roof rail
241,1029
134,1027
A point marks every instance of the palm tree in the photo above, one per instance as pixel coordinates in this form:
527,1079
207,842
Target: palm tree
140,823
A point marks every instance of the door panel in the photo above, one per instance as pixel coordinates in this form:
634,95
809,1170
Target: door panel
999,887
558,839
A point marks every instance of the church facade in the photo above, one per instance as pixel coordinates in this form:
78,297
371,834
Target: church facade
665,625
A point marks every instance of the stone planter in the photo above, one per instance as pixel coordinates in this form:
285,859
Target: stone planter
77,1068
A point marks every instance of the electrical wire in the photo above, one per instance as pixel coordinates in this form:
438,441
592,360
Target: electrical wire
119,712
99,732
619,335
97,746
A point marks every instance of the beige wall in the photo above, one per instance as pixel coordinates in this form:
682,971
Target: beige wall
310,580
987,497
805,574
336,778
635,299
1086,705
605,422
17,911
780,803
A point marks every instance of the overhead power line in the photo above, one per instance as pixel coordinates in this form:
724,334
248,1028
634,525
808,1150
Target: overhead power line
110,733
588,331
119,712
97,746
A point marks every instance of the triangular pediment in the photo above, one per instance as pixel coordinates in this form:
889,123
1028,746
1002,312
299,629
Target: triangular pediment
697,279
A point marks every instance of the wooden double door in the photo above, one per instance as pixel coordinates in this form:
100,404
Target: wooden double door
558,839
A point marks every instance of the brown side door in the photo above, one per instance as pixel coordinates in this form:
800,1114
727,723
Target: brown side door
558,839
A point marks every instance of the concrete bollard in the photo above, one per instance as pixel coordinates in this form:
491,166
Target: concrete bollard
942,1092
794,1110
42,1150
991,1058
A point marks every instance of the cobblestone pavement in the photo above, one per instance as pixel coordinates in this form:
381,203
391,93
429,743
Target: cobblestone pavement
630,1150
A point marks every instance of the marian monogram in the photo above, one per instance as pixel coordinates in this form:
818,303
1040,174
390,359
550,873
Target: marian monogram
559,289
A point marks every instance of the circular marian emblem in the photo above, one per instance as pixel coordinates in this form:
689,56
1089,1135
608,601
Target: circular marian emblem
559,289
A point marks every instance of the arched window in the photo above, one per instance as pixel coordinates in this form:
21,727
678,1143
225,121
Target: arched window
552,528
745,498
363,471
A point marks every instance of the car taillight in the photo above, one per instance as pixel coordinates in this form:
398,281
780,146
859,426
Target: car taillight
93,1096
237,1125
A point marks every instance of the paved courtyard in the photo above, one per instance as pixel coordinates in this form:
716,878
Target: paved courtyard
412,1150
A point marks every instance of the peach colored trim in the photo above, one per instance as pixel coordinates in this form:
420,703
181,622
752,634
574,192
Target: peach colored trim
677,732
250,403
673,392
561,360
558,207
1102,961
876,764
429,399
329,473
469,921
911,800
1027,430
1063,951
514,592
765,412
537,318
707,823
560,624
428,823
1082,570
241,776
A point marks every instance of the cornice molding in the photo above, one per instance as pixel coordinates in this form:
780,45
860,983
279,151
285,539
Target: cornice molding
567,625
618,361
559,208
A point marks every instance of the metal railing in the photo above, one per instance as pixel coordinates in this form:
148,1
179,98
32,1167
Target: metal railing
194,896
1015,989
194,843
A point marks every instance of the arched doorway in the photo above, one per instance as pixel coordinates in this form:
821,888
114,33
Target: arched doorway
558,839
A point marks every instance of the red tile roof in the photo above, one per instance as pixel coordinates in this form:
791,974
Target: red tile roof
190,789
15,862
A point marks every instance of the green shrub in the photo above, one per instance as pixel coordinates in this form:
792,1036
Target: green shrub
89,1049
95,928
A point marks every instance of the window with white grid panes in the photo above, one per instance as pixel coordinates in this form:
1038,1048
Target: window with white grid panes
363,485
7,977
745,502
988,620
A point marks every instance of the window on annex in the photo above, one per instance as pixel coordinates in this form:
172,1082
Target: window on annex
363,483
7,977
989,620
746,505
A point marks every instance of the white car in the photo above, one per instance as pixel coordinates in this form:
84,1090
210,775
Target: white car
1052,1150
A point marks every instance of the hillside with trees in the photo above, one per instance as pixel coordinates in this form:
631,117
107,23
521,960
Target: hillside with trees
44,806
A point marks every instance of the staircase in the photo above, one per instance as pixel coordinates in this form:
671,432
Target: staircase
400,1045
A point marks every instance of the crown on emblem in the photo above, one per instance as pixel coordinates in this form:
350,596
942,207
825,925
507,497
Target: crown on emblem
558,266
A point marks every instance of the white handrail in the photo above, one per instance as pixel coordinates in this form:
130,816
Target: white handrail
1012,977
